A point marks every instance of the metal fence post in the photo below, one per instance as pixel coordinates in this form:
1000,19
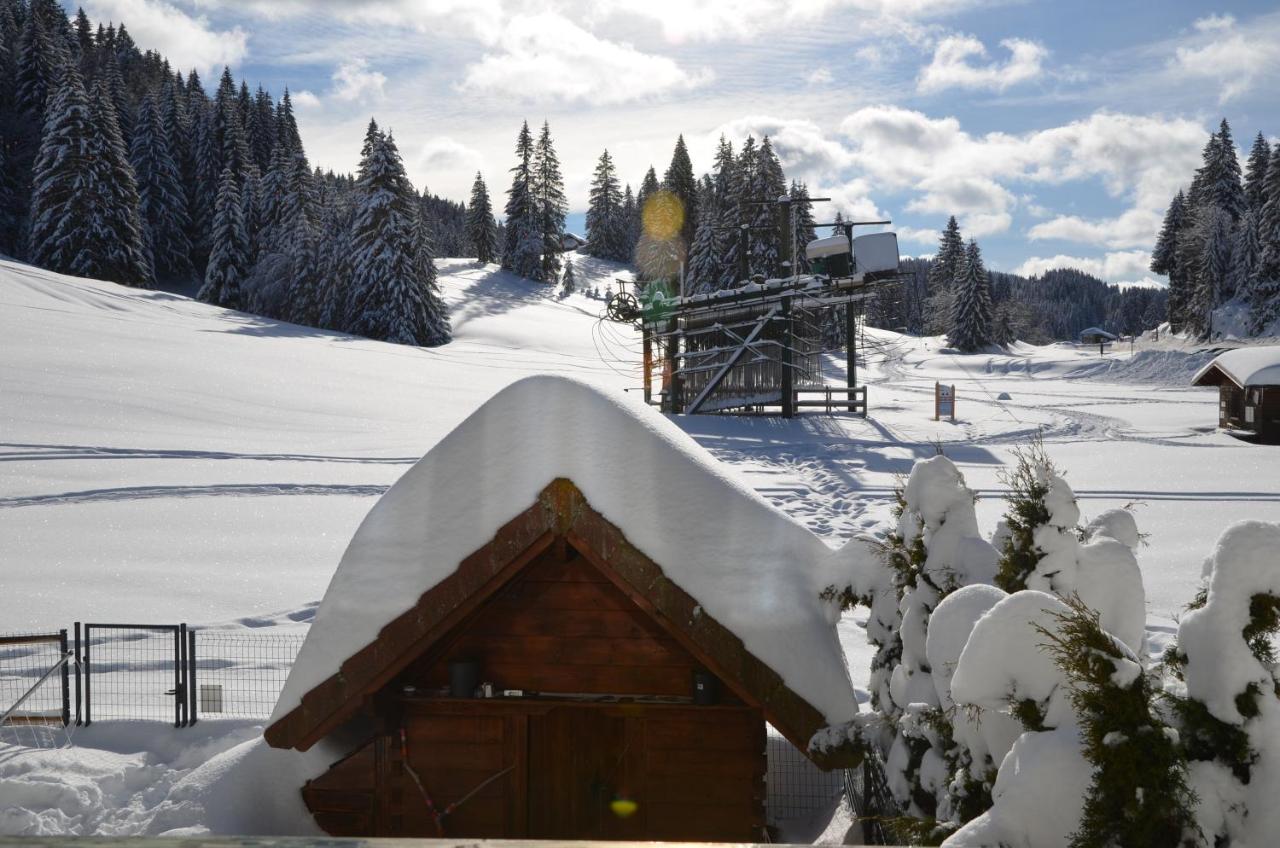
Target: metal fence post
192,688
88,675
179,666
79,719
66,679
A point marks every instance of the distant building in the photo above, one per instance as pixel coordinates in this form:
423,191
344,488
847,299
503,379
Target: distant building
572,241
1248,381
1096,336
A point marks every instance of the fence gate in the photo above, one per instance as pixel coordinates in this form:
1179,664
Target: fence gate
34,683
136,672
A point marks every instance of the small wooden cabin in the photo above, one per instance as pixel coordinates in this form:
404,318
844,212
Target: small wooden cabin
557,683
1248,381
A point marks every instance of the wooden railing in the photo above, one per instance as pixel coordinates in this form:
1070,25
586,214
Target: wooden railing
834,399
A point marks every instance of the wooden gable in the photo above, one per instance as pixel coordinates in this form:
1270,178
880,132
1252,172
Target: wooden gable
611,573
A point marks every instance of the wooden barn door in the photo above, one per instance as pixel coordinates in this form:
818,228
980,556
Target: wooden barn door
579,763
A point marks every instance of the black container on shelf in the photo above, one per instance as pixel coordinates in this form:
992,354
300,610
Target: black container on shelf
464,677
706,689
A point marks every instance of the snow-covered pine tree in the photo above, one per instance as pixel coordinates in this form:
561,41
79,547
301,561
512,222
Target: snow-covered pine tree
680,181
805,231
112,83
261,129
227,266
1164,258
702,273
606,235
480,232
162,200
1246,253
768,185
121,255
437,319
568,280
1213,271
1224,188
949,260
551,204
1255,174
630,225
388,279
287,125
1269,223
63,197
522,249
648,188
971,312
305,276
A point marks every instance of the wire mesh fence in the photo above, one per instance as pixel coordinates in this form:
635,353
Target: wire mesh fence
26,658
795,786
134,672
240,675
867,789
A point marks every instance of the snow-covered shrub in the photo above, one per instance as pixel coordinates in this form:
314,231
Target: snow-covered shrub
1139,793
1229,703
933,549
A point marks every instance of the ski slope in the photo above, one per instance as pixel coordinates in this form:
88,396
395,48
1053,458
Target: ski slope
167,460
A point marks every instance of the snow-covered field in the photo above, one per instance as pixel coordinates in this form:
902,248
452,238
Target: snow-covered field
169,461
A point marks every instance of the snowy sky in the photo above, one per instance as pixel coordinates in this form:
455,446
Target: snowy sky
1056,131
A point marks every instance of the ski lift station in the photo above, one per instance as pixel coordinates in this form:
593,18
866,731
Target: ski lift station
565,646
758,347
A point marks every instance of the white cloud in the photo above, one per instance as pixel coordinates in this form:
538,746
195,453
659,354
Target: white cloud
1210,23
1129,267
442,156
189,41
951,66
1233,58
1132,228
304,99
354,80
821,76
549,57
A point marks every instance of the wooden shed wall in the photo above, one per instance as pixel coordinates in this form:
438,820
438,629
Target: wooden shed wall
561,626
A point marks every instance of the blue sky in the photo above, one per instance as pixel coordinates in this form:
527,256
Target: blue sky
1055,131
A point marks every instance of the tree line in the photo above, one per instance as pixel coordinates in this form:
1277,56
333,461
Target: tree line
1220,240
113,165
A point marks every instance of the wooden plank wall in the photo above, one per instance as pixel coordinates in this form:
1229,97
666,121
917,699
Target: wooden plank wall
563,627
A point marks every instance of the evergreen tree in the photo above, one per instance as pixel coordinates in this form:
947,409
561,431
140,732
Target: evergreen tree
62,236
1164,259
648,188
949,259
1246,258
1224,189
630,225
388,278
606,229
227,264
522,249
703,272
305,277
1213,271
971,312
768,185
1269,222
805,231
480,230
122,257
680,181
1255,175
162,200
568,281
262,129
551,204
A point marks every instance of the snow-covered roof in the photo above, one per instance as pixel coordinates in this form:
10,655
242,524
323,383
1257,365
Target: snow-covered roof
753,569
1246,366
1097,331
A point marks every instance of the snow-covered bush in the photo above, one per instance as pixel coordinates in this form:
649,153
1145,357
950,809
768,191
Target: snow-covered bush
1229,698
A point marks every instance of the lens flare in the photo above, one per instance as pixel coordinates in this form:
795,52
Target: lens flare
662,216
623,807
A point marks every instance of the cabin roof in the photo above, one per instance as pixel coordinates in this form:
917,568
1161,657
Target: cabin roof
1245,366
747,568
1097,331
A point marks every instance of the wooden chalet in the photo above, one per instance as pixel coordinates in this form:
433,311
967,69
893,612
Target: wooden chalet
1248,381
561,680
